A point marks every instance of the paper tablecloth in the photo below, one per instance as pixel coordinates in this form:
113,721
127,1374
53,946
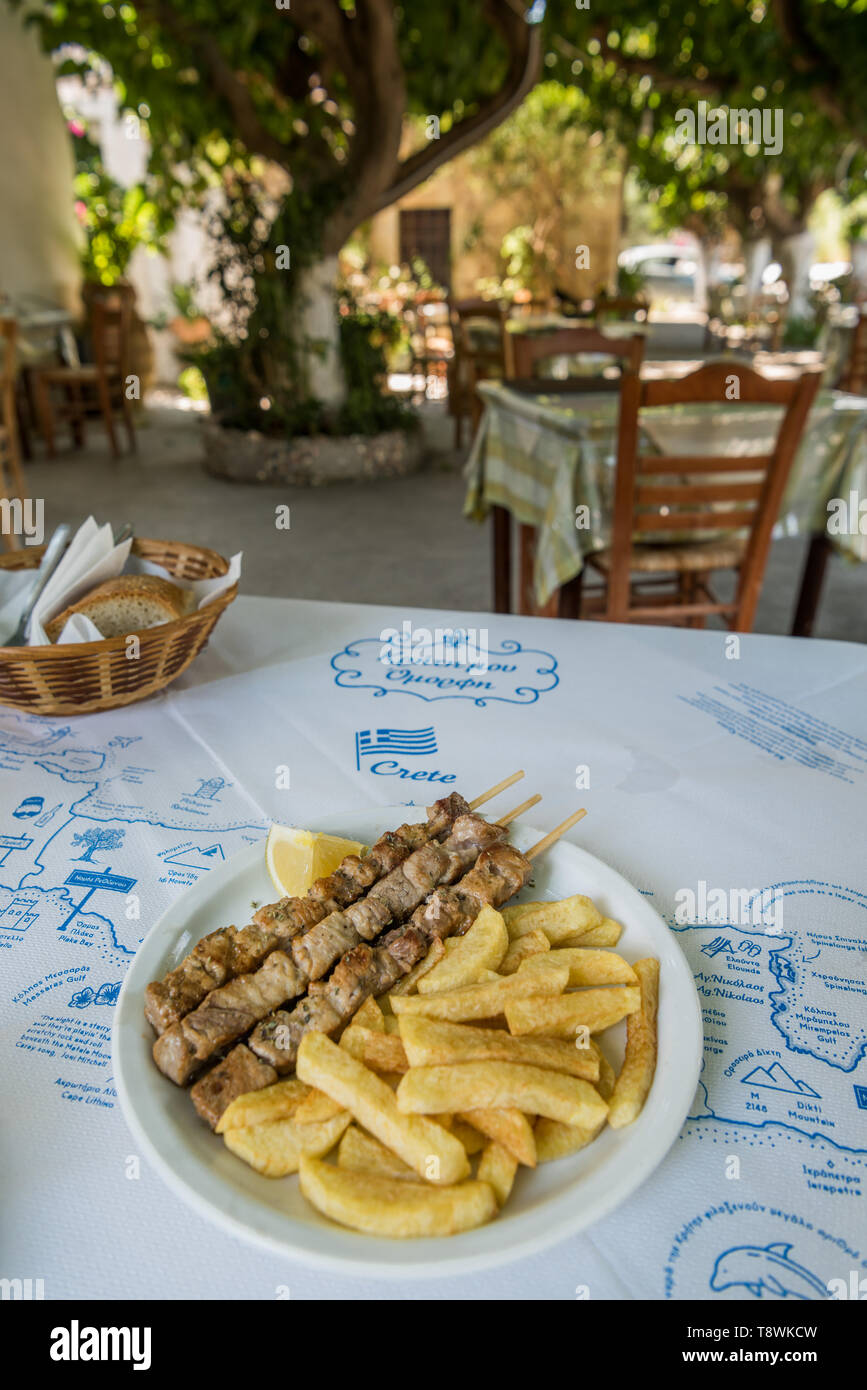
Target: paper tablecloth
542,456
734,766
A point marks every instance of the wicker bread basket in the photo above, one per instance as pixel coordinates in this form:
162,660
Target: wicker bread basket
86,677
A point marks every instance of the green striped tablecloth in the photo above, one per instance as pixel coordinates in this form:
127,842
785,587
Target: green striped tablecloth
542,457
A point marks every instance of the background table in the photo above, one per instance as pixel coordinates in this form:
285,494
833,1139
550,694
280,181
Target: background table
541,456
704,767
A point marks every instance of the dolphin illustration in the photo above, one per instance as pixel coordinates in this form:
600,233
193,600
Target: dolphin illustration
766,1269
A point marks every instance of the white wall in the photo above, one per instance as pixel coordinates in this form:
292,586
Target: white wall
38,228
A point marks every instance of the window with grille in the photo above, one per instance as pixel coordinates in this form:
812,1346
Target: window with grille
427,233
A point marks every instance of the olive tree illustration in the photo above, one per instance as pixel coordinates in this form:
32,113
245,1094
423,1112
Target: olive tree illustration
97,839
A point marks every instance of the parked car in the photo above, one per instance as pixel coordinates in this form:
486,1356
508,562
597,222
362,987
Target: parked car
673,274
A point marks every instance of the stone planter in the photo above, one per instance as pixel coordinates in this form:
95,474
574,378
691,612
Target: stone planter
246,456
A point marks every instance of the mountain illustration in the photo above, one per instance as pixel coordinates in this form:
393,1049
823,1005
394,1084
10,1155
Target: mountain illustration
194,857
776,1078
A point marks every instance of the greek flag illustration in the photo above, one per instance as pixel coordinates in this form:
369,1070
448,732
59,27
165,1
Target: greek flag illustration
407,743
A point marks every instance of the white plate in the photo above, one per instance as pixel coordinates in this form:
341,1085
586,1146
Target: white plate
554,1201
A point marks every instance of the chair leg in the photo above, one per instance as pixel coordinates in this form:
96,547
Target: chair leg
812,581
128,420
45,413
527,596
106,408
526,557
22,422
570,597
501,527
687,586
77,416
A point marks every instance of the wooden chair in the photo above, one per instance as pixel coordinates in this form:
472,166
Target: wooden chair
854,375
527,350
619,307
524,353
431,345
474,360
670,583
11,475
104,379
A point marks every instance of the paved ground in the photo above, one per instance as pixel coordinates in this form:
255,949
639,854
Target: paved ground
403,539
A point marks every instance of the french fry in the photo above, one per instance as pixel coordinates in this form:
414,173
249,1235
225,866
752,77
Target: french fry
497,1167
486,1000
316,1108
639,1062
431,1043
556,1140
490,1085
511,1128
588,966
370,1015
608,933
380,1051
561,1016
534,943
361,1152
607,1074
275,1149
558,920
480,949
409,983
384,1206
428,1148
277,1102
471,1138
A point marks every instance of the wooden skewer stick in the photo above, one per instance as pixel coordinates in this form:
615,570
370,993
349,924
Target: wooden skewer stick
495,791
519,810
554,835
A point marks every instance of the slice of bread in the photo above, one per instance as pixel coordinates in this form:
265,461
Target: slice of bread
130,603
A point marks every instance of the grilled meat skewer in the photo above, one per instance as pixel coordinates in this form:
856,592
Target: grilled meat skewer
229,1012
230,951
499,872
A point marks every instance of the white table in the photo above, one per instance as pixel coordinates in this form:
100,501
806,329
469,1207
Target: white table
159,792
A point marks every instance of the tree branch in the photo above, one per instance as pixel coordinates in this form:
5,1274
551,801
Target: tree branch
225,81
524,44
663,80
807,57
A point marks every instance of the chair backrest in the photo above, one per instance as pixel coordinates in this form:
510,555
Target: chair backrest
619,307
526,350
466,312
110,333
656,493
854,374
8,349
8,372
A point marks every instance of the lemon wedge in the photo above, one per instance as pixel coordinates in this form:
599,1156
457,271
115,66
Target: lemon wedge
295,858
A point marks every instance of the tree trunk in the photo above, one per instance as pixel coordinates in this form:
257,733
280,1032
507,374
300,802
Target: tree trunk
795,254
757,256
320,332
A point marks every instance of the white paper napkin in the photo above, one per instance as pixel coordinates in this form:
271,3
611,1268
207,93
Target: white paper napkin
92,558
